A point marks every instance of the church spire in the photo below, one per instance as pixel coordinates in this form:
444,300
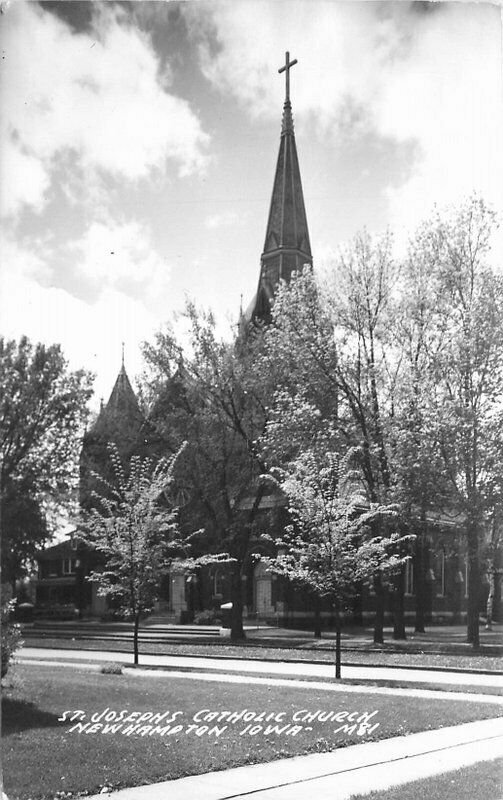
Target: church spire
287,247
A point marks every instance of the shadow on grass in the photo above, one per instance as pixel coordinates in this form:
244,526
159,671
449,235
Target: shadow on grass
21,715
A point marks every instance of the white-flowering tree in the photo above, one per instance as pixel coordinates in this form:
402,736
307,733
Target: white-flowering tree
337,539
133,525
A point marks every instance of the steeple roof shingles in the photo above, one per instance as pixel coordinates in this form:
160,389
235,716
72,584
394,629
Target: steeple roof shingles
287,247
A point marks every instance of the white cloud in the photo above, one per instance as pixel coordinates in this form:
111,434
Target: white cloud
222,220
98,94
92,333
336,47
429,77
453,105
121,256
22,262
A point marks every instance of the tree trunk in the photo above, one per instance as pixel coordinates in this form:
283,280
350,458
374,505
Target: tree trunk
398,607
379,613
317,618
419,578
357,605
473,635
490,600
337,643
135,637
237,630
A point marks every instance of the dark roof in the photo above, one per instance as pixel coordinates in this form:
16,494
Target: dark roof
287,247
122,407
62,549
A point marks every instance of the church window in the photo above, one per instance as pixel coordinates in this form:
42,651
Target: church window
440,573
218,584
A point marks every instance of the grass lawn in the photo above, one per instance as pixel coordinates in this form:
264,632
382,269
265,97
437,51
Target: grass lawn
281,651
44,753
480,780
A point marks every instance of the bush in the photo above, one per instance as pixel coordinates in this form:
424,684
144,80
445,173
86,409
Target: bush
207,617
11,634
116,615
113,668
60,611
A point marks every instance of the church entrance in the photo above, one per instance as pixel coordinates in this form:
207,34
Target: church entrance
262,580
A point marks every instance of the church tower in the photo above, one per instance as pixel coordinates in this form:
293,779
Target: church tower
287,247
119,421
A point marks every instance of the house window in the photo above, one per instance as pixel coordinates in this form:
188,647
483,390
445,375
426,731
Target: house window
409,577
69,565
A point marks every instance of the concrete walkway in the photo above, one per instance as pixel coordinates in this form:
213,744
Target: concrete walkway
270,668
341,774
292,683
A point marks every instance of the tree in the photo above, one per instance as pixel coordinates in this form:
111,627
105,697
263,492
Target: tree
334,344
468,373
132,524
214,399
24,529
42,417
418,330
329,546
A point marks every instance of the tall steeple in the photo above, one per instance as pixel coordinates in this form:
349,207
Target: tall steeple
287,247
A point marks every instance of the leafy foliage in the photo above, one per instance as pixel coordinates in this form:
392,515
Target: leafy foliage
11,634
214,399
133,526
42,416
330,545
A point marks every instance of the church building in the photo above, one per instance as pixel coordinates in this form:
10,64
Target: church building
62,568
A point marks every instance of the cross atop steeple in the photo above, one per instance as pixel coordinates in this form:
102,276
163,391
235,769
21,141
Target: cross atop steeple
122,345
286,248
286,69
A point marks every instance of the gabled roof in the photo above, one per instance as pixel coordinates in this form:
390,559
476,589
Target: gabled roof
64,549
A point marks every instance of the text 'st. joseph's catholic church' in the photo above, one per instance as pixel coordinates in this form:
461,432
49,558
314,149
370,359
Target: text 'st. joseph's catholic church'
287,247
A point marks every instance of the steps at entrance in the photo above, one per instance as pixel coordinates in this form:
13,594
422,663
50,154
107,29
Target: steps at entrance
180,630
156,632
159,619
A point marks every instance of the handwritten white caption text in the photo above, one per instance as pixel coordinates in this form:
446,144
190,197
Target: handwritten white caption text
207,722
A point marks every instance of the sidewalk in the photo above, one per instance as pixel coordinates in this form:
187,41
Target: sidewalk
340,774
269,668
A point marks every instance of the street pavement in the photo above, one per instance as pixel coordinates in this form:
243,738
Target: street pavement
272,668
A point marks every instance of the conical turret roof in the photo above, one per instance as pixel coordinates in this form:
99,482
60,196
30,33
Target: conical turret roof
122,409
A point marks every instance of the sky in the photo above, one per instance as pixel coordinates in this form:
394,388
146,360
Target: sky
138,144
